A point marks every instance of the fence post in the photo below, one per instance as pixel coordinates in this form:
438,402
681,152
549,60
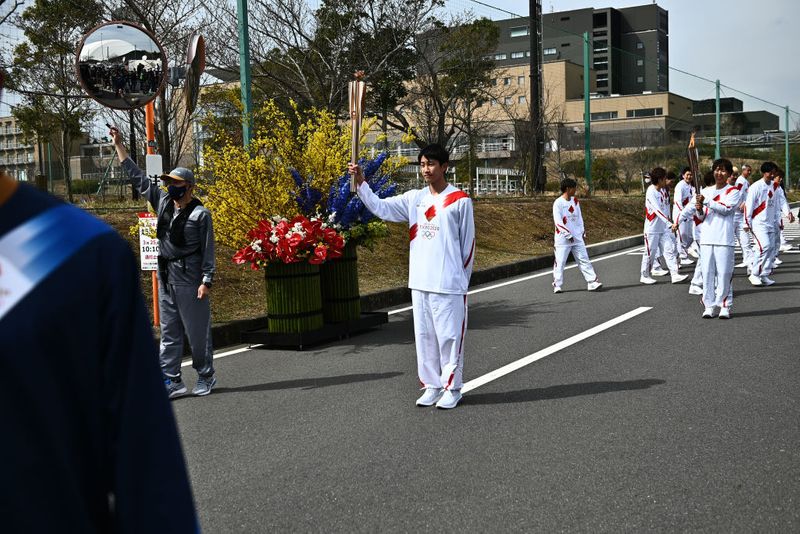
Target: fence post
716,150
786,147
587,132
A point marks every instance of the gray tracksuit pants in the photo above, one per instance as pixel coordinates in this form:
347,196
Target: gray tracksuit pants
182,312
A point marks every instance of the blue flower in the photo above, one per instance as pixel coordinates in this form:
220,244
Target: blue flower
307,197
349,210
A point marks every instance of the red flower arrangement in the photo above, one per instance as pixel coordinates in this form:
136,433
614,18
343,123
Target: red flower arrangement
283,241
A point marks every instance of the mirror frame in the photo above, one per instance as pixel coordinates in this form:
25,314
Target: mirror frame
195,65
162,56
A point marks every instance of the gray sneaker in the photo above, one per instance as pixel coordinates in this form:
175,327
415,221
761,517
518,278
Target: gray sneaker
204,385
175,387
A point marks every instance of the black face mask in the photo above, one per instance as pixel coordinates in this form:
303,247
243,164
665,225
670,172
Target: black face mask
176,192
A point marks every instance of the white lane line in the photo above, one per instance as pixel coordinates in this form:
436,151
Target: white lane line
223,354
523,279
522,362
545,273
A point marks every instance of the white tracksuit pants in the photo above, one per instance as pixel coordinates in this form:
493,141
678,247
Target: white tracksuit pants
440,324
652,243
578,251
685,238
746,243
762,251
775,249
717,261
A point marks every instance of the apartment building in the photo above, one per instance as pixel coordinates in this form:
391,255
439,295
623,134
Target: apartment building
17,156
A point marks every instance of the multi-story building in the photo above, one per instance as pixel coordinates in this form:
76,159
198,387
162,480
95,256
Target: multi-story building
17,156
629,47
733,119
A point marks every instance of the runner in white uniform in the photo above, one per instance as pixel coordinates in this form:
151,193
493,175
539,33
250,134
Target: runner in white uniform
716,206
442,253
744,238
656,224
781,211
684,194
759,220
569,234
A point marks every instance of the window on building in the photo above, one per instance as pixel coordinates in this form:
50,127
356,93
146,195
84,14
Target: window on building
508,100
639,62
564,19
520,31
550,51
640,79
500,57
603,115
601,45
493,102
521,99
600,33
517,55
601,65
644,112
600,19
602,83
506,81
563,45
520,80
640,46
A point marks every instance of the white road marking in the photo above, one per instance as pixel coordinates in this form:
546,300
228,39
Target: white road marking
523,279
527,360
223,354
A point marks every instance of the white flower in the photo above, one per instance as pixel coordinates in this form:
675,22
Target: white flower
273,239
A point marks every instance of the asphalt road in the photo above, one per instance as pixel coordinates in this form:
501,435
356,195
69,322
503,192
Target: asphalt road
663,422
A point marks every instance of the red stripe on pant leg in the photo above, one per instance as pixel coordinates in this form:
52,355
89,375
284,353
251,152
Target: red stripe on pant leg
463,326
760,250
450,381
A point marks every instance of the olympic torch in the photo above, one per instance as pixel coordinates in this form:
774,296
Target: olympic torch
357,89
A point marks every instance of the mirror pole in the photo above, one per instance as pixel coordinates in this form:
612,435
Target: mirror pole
150,129
244,70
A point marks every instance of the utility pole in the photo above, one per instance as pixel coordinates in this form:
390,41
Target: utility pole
537,126
244,71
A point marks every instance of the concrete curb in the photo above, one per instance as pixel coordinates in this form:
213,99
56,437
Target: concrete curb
225,334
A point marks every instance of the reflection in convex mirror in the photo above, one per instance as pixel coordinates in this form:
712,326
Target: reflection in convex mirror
121,65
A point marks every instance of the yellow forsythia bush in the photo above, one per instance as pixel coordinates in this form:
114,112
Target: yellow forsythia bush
254,183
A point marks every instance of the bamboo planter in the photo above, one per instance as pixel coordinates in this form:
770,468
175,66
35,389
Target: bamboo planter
341,300
293,297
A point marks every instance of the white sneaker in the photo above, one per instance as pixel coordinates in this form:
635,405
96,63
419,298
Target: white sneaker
678,278
556,289
708,313
743,264
777,261
786,247
686,261
693,253
647,280
755,280
430,397
658,271
766,281
449,400
694,289
724,313
594,286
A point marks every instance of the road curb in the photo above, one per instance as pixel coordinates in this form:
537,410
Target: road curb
225,334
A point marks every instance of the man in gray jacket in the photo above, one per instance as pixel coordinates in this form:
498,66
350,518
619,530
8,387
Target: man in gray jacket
185,272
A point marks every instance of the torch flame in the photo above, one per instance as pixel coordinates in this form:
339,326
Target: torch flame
691,141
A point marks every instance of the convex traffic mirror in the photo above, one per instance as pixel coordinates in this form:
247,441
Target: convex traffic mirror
121,65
